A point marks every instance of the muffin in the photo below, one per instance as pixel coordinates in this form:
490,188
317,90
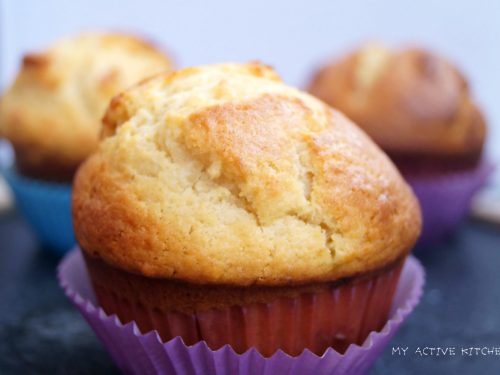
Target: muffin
52,112
222,205
418,108
413,103
52,116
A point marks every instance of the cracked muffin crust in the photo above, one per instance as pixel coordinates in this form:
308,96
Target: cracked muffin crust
52,112
224,175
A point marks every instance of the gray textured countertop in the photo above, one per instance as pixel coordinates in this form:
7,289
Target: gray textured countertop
41,333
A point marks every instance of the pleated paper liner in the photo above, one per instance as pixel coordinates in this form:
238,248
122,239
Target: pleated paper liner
445,197
46,206
333,316
146,353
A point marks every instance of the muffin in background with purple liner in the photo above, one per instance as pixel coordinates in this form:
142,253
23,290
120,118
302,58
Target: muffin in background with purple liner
52,115
223,206
418,108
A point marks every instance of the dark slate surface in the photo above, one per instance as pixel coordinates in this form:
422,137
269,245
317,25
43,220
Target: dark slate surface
41,333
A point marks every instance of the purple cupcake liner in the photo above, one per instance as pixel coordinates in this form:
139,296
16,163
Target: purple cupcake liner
445,200
138,353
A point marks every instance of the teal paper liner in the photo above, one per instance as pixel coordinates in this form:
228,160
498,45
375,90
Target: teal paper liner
46,206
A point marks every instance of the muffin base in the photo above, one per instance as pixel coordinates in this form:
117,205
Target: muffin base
137,353
292,318
429,165
47,169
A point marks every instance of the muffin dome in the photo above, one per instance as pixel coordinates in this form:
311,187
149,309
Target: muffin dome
223,174
52,112
409,101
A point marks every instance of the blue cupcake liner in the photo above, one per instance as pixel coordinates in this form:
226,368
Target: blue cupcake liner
46,206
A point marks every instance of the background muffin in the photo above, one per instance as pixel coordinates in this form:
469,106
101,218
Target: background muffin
51,114
220,187
412,102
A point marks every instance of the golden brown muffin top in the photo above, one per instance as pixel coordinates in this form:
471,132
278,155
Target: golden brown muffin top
224,175
410,101
53,110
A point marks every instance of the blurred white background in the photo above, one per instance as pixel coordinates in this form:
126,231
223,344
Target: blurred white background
293,36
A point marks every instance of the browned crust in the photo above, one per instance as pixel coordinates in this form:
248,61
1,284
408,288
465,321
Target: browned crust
35,61
175,295
418,104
